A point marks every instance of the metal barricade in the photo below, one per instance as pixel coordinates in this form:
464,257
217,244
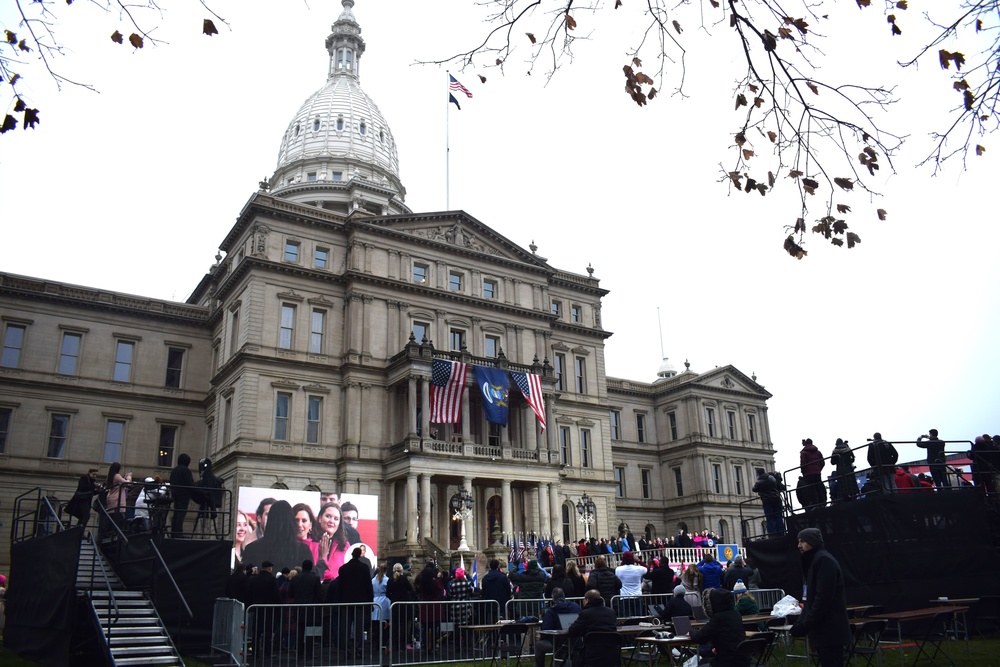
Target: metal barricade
227,629
447,631
766,597
283,635
638,606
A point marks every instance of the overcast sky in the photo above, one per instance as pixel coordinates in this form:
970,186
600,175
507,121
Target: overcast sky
133,188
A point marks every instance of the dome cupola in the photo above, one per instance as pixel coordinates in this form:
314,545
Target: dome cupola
338,152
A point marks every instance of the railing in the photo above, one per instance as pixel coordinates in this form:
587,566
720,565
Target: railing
766,597
227,628
173,582
317,634
34,517
431,632
112,602
673,556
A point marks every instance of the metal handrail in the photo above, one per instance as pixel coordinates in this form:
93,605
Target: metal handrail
107,586
173,581
101,509
21,518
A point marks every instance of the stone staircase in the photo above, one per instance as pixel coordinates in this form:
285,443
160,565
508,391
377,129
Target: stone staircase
134,634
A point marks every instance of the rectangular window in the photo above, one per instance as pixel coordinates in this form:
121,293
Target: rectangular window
291,251
282,407
114,437
420,330
489,289
215,358
731,424
575,314
314,412
560,371
13,343
69,354
455,281
647,485
672,420
321,258
717,478
564,450
492,346
419,273
584,448
234,331
286,331
5,418
752,428
710,421
227,421
168,442
493,435
616,425
316,325
123,361
175,361
338,175
455,340
581,379
311,176
556,308
738,479
58,434
619,482
678,482
640,427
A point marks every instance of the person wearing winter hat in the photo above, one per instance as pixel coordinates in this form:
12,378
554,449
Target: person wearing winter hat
676,605
738,571
824,614
810,490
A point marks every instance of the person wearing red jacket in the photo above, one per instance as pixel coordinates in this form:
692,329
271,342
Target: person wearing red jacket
811,492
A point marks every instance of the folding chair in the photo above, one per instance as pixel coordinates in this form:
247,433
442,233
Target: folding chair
865,644
642,656
602,649
935,634
987,613
756,648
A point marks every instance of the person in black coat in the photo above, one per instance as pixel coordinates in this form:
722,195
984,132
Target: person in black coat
603,579
676,606
662,578
724,630
595,617
266,619
738,570
882,457
305,588
238,584
79,505
355,586
496,586
181,481
824,616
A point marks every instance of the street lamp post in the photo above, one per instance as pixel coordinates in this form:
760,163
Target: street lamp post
587,509
461,510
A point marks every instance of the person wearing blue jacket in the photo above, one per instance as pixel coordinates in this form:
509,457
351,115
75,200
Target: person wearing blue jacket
711,571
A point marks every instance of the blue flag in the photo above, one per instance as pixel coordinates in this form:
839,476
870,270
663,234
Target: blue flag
475,575
492,383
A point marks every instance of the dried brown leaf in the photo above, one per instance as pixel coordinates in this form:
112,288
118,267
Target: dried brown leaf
843,208
812,87
747,153
844,183
570,22
677,27
117,37
881,214
208,28
530,37
135,40
980,149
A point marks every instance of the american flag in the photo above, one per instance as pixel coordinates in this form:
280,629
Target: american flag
513,550
447,385
530,386
455,85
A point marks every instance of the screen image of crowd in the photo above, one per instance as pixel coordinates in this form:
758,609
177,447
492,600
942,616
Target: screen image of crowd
287,527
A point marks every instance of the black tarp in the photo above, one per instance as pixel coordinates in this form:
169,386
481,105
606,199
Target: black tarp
40,597
899,550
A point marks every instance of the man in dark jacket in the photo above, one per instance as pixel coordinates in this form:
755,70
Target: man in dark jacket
603,579
662,578
723,632
595,617
355,586
530,583
935,457
813,493
882,457
676,606
305,588
496,586
264,591
181,481
769,490
824,616
550,621
738,570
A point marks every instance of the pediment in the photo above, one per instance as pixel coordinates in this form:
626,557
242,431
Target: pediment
460,231
729,378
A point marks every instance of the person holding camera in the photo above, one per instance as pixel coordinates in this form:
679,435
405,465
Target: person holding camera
882,457
935,457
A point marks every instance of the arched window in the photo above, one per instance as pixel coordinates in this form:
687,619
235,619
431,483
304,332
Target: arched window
723,531
316,125
363,128
296,129
279,485
340,124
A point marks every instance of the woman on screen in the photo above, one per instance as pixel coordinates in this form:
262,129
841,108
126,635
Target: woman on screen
280,543
305,524
332,541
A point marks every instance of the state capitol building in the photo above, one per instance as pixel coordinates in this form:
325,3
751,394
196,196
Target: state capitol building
302,360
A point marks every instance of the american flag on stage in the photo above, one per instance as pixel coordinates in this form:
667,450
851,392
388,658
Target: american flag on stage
530,386
447,385
453,84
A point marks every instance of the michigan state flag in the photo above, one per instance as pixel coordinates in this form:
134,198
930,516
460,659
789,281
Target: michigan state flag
492,383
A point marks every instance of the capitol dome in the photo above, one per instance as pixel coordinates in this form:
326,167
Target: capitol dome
338,151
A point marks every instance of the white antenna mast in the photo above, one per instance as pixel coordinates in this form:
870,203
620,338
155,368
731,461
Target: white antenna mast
660,322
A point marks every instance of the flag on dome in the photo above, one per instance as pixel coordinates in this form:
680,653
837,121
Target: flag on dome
530,386
447,384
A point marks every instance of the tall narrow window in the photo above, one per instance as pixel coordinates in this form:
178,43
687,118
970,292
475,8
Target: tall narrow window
114,436
175,361
286,331
575,313
672,419
560,371
227,421
616,425
58,434
738,479
282,406
321,258
493,436
420,273
5,418
420,331
731,424
291,251
314,412
13,343
489,289
640,427
491,347
678,482
316,326
716,478
585,448
710,421
564,456
565,524
123,361
647,485
455,281
752,428
556,308
69,353
168,443
455,337
581,378
234,331
619,482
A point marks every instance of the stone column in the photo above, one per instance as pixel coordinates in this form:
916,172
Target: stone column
351,406
393,264
425,408
425,505
355,323
544,520
507,506
470,523
390,531
392,329
534,516
404,324
369,255
555,509
366,324
411,400
466,416
550,427
411,509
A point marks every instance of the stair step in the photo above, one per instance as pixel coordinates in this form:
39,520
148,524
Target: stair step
135,621
150,660
124,612
136,640
137,631
163,649
118,595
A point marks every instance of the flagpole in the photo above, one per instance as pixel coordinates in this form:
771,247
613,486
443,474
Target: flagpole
447,147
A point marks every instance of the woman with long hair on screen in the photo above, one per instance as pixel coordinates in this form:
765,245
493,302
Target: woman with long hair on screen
280,543
305,524
242,536
332,540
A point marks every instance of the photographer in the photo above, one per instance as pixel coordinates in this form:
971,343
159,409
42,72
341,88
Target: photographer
882,457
